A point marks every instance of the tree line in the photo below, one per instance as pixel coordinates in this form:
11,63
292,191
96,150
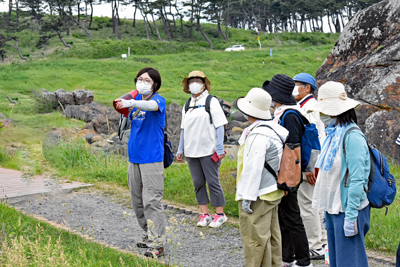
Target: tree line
56,17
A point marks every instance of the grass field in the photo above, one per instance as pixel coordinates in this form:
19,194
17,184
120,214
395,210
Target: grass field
232,75
26,242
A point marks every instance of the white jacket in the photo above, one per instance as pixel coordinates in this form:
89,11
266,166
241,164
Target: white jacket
262,144
313,117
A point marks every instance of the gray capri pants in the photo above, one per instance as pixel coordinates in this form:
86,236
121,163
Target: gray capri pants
204,170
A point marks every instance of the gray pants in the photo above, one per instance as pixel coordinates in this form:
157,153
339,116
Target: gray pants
204,170
146,184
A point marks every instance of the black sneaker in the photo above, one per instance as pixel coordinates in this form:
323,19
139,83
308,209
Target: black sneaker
317,254
143,243
154,252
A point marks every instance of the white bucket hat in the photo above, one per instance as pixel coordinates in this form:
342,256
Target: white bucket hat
333,100
256,104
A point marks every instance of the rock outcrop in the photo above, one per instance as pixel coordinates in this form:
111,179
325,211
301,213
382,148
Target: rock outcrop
366,59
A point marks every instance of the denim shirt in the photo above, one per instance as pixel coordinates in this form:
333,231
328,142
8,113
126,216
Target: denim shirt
357,161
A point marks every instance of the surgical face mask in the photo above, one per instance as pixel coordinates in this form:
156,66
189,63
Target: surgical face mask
296,91
246,117
327,120
272,103
144,89
195,88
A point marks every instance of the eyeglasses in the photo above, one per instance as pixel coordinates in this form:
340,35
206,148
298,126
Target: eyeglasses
145,81
195,80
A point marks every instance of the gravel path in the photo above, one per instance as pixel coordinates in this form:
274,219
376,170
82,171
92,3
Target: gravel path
83,209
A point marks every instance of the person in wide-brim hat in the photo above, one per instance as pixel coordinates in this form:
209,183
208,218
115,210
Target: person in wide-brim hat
280,87
255,104
333,100
257,191
196,74
201,142
344,168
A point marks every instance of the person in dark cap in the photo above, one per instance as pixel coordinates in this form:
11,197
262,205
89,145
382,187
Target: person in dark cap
295,250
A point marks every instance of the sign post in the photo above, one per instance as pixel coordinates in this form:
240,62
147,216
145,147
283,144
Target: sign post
258,38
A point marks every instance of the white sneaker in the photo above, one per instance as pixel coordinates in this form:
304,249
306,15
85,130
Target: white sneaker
204,220
288,264
317,254
218,220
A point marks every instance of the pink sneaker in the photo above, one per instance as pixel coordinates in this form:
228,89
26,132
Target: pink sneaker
204,220
218,220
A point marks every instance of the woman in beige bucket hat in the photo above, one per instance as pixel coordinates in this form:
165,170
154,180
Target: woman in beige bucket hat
257,190
339,190
201,141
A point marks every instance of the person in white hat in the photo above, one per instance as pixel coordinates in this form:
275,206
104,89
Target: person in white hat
201,141
339,190
257,191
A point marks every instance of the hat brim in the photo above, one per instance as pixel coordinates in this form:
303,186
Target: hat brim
277,95
186,85
248,109
334,107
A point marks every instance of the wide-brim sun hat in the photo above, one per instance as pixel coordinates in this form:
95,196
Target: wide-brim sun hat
255,104
307,79
280,87
193,74
333,100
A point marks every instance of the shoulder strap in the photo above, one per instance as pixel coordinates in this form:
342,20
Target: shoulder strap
266,165
207,107
288,111
346,133
187,104
272,130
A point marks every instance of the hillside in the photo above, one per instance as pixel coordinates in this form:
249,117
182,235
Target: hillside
106,44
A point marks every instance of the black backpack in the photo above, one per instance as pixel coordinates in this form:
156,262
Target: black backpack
207,106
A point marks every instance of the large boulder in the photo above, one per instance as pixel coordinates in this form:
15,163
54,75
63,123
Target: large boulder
366,59
82,97
64,97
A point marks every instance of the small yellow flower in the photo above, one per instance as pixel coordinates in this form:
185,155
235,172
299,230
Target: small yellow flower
179,245
201,234
126,230
129,214
64,204
45,129
125,213
69,211
99,72
168,240
174,221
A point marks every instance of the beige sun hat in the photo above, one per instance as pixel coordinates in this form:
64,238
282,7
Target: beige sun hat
193,74
333,100
255,104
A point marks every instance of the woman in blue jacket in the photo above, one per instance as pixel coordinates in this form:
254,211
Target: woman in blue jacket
339,190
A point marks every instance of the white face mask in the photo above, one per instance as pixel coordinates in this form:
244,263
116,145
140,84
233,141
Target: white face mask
295,91
272,104
195,88
246,117
144,89
327,120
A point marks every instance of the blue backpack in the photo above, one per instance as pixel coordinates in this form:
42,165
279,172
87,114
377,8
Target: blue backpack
310,146
381,189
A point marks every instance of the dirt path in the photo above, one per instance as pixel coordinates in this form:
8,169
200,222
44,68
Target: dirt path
103,219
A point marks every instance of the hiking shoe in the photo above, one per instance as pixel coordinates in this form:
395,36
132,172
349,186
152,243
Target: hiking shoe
154,252
143,243
317,254
310,265
218,220
288,264
204,220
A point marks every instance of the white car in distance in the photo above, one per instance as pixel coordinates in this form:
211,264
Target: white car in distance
235,48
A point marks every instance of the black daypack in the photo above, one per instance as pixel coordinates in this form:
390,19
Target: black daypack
207,106
381,189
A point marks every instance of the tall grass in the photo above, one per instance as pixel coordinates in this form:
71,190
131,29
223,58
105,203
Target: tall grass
25,241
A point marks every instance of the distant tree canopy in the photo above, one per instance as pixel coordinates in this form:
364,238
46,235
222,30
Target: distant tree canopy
55,17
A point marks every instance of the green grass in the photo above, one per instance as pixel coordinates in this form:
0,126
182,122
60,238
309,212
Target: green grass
25,241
